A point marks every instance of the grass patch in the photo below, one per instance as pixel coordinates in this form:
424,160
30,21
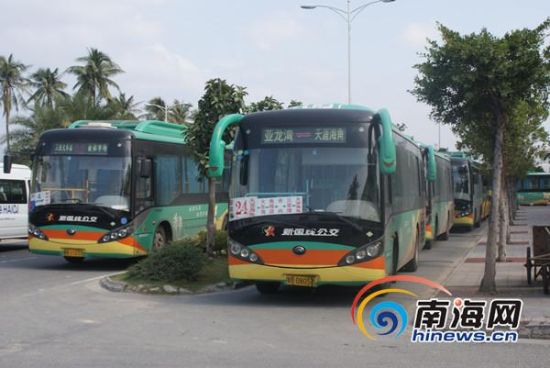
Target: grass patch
213,271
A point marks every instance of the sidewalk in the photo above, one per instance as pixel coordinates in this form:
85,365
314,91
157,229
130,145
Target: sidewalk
511,276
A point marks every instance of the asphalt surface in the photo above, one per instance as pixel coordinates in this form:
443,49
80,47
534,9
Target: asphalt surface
54,314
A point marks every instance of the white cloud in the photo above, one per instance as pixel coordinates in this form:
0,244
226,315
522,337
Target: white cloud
154,70
415,34
268,33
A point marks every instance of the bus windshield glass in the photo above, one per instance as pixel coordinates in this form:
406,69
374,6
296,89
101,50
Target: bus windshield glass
461,180
318,178
76,179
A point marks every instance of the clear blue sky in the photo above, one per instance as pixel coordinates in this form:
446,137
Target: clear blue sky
169,48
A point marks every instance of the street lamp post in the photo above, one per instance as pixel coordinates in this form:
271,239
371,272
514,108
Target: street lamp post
165,108
348,15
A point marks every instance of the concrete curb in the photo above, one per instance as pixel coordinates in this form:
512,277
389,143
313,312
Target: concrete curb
118,286
535,329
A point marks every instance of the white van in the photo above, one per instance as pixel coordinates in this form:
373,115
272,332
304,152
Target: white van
14,199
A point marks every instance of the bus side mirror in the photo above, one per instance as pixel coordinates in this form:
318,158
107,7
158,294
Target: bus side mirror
218,146
145,168
432,169
7,164
386,143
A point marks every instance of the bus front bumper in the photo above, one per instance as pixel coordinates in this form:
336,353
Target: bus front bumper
61,247
358,274
464,220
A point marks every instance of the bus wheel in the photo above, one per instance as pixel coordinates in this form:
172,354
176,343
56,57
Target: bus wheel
477,222
395,257
265,287
159,241
74,260
445,235
413,263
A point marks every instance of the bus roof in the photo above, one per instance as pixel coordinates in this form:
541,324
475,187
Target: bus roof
538,174
150,130
17,172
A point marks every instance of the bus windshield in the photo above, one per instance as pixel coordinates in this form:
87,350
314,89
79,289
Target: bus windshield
98,180
328,179
461,181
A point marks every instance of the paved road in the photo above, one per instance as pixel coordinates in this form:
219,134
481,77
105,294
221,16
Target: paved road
53,314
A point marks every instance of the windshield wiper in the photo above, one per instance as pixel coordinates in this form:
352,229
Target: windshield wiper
347,221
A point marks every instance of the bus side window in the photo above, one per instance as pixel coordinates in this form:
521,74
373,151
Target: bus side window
144,191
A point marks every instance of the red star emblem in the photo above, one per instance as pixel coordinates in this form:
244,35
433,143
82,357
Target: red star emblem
269,230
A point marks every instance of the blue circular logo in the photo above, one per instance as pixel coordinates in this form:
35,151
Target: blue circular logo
124,221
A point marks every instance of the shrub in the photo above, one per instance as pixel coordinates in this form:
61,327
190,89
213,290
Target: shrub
220,242
180,260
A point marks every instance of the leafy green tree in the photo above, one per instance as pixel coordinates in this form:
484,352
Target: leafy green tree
48,87
267,104
155,109
294,103
218,100
93,78
13,84
476,83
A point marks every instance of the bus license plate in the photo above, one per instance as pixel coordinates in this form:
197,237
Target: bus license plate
73,252
301,280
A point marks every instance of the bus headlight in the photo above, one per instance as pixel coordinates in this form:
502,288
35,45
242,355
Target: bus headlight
363,253
36,232
116,234
374,249
240,251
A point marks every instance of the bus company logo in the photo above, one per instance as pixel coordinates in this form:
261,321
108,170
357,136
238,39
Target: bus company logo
269,231
69,218
470,320
50,217
310,232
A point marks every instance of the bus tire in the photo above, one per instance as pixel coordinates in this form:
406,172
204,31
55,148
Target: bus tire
413,263
477,220
395,257
74,260
445,235
268,287
428,244
159,240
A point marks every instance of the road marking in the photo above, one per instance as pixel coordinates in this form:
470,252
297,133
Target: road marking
93,278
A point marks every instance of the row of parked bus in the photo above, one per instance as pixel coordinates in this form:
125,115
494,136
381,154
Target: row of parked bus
309,196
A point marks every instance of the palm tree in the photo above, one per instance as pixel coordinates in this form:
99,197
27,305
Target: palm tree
78,107
179,112
93,79
155,109
12,85
29,128
49,87
125,107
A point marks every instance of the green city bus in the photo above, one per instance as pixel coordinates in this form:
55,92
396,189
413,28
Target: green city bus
115,189
534,189
441,201
321,195
468,191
